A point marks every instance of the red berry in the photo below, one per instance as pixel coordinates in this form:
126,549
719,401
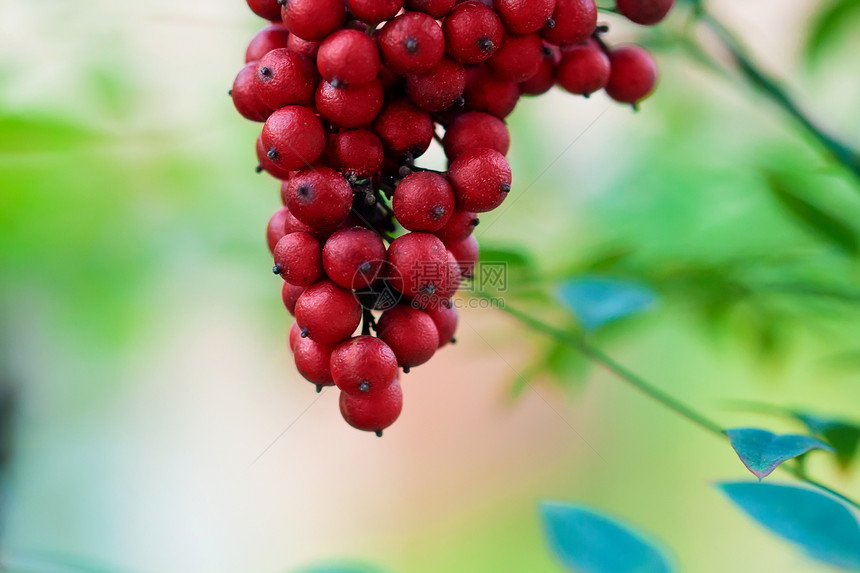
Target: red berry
411,44
374,11
518,58
350,106
485,92
352,258
410,333
584,69
418,264
423,201
645,12
320,197
290,295
461,225
294,138
634,74
348,57
574,22
481,179
445,318
313,362
373,413
313,20
473,32
436,8
295,334
267,164
291,224
245,97
523,17
453,279
474,130
285,78
303,47
268,9
357,153
275,230
298,259
364,366
269,38
405,130
466,252
327,313
545,78
439,88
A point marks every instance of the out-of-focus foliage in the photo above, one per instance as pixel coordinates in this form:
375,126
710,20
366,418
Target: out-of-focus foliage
821,525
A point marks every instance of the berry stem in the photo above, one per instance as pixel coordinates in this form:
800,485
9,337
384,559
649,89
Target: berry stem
597,356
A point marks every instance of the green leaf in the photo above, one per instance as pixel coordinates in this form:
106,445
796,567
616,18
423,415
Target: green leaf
821,525
501,268
588,541
836,17
826,225
842,435
762,451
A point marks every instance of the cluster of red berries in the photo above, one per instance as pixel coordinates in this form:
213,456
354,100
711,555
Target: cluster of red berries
351,93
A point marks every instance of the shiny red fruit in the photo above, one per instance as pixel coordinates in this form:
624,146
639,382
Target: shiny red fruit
313,20
284,78
418,262
348,57
411,43
319,197
574,21
364,366
352,258
634,74
298,259
327,313
423,201
481,179
410,333
293,137
473,32
373,413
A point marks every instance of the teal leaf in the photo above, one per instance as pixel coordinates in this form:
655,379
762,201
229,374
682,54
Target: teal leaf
762,451
826,225
589,542
822,526
598,301
842,435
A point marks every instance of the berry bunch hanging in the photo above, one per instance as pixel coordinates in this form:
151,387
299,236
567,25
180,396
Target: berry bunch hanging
351,93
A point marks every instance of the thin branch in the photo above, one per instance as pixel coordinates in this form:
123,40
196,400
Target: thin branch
599,357
772,88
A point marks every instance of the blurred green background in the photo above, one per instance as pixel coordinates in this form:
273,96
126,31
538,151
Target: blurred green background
143,337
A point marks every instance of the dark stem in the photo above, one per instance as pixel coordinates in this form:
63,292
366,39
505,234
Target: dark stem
770,87
599,357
